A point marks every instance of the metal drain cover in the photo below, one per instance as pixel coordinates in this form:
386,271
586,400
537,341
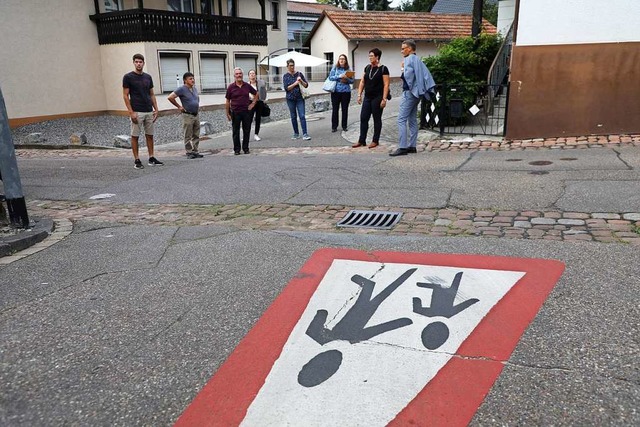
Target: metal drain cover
370,219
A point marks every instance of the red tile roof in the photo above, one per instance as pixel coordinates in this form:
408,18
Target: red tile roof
309,8
372,25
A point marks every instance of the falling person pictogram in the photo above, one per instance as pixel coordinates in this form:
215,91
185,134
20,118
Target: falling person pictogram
352,328
442,304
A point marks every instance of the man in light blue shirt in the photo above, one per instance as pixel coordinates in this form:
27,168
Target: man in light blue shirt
416,83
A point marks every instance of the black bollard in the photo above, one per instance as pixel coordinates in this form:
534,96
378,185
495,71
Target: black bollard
16,205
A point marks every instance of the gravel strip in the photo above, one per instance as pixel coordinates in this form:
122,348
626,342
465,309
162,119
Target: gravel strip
101,130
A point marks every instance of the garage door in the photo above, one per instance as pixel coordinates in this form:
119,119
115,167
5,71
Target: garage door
212,73
246,63
172,67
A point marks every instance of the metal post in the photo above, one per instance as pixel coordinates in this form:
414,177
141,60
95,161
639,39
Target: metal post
443,108
9,170
506,109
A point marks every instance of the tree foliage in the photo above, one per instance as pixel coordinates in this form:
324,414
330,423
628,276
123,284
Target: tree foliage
464,60
490,11
374,5
417,5
344,4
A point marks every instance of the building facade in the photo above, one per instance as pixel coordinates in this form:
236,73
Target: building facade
355,33
301,17
65,59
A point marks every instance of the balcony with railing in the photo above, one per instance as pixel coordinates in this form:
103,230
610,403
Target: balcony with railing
136,25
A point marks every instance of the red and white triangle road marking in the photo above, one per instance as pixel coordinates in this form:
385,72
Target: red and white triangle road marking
417,361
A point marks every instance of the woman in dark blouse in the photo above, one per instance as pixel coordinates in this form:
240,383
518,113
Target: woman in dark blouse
375,85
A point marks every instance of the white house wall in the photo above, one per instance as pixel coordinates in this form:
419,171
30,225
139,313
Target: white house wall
278,39
547,22
327,39
506,13
50,61
391,55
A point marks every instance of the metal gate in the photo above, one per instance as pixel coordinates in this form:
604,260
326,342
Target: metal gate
472,109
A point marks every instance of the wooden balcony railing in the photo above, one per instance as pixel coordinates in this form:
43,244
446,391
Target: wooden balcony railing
136,25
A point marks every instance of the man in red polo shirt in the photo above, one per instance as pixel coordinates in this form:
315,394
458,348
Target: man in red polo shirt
238,107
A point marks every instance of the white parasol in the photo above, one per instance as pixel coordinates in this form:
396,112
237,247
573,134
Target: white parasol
301,60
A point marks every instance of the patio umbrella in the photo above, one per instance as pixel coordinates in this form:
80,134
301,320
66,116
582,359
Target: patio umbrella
301,60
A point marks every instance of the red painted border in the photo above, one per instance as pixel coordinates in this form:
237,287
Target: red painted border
452,397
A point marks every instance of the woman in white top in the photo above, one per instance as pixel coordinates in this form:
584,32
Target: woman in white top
261,87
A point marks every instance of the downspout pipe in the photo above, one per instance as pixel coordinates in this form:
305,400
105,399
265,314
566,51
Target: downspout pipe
353,54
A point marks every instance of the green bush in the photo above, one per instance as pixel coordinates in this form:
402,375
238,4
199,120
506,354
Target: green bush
464,63
464,60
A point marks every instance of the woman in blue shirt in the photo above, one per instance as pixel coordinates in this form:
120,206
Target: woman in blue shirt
342,95
291,81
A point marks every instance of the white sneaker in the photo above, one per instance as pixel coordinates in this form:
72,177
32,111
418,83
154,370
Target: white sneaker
306,137
257,138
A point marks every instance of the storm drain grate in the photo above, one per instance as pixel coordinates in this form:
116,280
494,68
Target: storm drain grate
370,219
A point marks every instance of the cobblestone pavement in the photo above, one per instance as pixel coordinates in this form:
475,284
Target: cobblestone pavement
548,225
621,227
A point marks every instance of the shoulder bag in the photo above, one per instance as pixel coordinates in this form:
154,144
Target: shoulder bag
329,85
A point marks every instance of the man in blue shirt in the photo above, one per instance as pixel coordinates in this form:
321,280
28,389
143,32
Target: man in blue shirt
416,83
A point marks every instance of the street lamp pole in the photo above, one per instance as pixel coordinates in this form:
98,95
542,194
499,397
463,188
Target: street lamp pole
476,20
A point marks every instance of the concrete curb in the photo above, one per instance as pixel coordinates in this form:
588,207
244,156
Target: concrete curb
23,240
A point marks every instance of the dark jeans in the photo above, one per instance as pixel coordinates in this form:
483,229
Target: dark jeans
370,106
244,118
340,99
257,112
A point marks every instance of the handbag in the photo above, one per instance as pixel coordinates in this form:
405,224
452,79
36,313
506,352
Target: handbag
329,85
266,110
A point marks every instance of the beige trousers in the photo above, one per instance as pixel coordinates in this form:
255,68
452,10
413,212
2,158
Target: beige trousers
191,128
